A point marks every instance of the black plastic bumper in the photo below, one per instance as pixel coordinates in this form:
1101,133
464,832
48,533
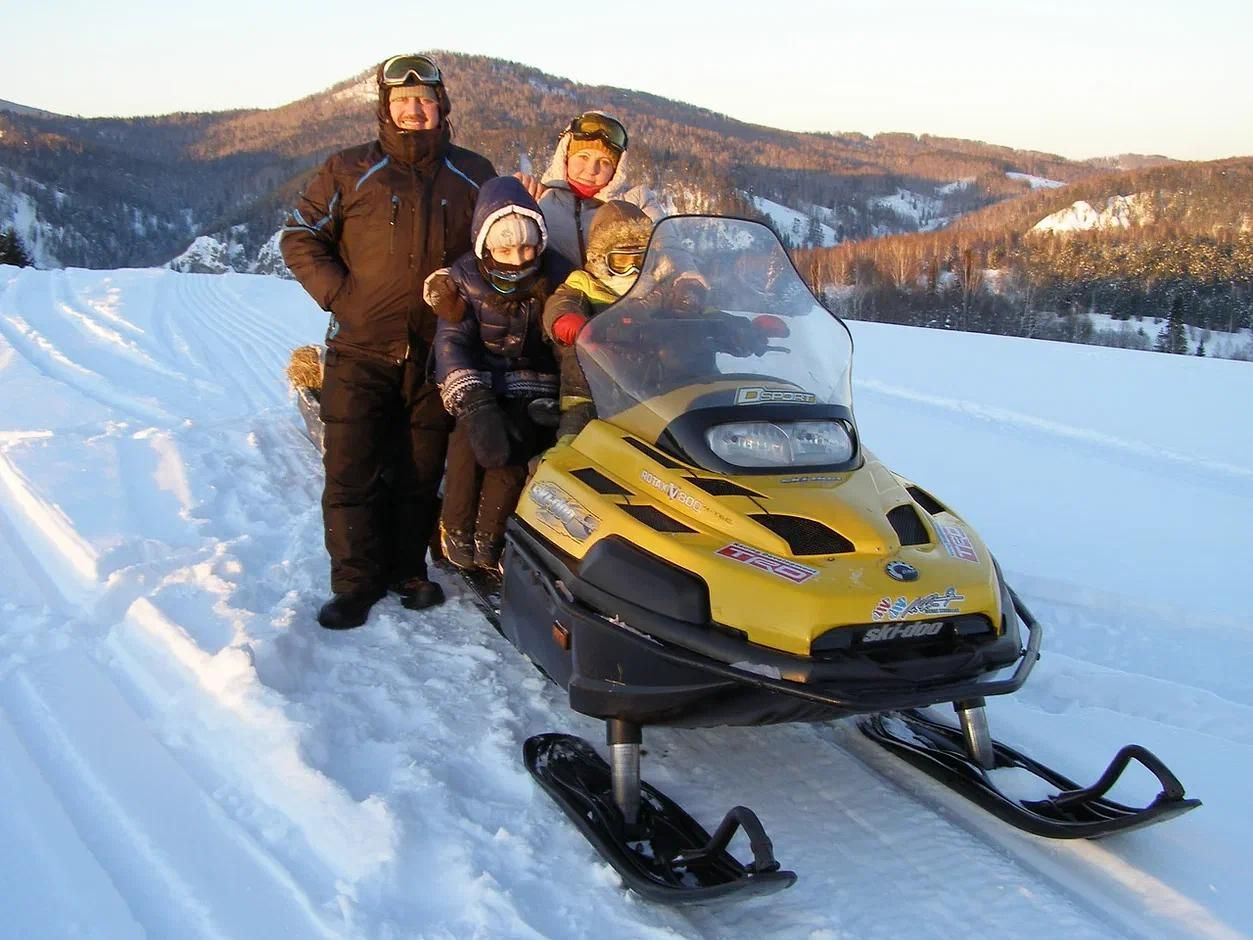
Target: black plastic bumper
630,662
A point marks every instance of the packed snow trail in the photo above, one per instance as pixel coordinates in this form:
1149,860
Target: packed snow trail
196,758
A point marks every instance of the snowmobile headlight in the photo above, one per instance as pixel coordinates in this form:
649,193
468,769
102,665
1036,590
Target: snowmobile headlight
781,444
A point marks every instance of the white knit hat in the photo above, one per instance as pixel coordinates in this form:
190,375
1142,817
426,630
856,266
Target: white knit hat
512,230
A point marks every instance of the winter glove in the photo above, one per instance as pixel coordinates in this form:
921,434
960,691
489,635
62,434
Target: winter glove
687,296
544,412
743,338
486,427
566,328
441,294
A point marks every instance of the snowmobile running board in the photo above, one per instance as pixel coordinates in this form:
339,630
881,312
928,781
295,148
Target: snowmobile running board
666,856
483,587
1073,812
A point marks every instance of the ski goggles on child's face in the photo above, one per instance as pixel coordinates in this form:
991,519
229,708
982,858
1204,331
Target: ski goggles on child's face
400,68
592,126
624,261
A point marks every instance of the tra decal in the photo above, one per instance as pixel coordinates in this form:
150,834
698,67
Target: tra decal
933,603
957,542
672,491
772,564
759,395
787,480
557,509
901,631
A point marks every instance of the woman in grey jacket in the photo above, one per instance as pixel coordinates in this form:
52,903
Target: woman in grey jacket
587,170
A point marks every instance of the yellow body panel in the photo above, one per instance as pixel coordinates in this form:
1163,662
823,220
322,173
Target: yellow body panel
755,583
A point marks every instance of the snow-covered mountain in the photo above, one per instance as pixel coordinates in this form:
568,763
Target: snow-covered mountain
1117,212
208,255
185,754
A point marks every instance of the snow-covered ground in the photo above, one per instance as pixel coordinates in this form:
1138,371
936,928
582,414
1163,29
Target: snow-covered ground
185,754
1036,182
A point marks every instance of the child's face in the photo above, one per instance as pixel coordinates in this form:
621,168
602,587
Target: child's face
514,254
592,169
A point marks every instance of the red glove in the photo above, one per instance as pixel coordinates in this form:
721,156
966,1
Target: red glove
566,328
772,326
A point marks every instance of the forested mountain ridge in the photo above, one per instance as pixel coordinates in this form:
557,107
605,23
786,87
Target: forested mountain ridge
113,192
1161,242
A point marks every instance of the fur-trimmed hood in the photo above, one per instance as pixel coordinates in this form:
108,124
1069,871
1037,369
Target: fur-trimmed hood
617,224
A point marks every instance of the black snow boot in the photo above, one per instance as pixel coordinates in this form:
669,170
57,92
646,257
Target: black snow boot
348,610
418,593
458,548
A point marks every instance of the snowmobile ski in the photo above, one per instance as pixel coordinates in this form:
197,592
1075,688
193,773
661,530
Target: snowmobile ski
1073,812
666,856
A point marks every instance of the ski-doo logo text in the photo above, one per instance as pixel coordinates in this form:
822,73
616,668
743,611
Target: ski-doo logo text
901,631
933,603
758,395
558,509
779,567
672,491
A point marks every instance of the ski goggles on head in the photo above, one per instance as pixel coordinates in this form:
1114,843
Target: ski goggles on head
624,261
596,126
399,69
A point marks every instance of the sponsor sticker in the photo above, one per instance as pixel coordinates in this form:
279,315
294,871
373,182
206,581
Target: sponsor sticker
672,491
788,480
771,564
957,543
934,603
760,395
559,510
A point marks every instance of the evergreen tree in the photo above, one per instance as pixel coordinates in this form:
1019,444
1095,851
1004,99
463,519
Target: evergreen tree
1200,350
1173,338
12,251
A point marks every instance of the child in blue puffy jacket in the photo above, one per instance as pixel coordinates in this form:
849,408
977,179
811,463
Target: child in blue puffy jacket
491,361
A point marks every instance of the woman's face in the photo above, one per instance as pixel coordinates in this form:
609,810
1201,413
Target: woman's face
590,168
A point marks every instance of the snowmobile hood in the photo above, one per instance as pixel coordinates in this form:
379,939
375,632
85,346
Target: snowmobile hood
856,555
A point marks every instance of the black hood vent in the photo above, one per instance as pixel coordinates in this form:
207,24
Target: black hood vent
805,536
655,519
653,453
926,500
599,482
908,525
716,486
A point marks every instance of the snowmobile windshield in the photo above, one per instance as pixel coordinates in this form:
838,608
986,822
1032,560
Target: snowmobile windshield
718,322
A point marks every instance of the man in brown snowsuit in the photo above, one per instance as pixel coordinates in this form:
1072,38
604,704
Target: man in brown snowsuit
370,227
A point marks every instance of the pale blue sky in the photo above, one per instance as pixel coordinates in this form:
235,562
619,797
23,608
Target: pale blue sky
1071,77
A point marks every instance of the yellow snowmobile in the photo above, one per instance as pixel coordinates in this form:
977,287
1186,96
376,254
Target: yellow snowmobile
717,547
